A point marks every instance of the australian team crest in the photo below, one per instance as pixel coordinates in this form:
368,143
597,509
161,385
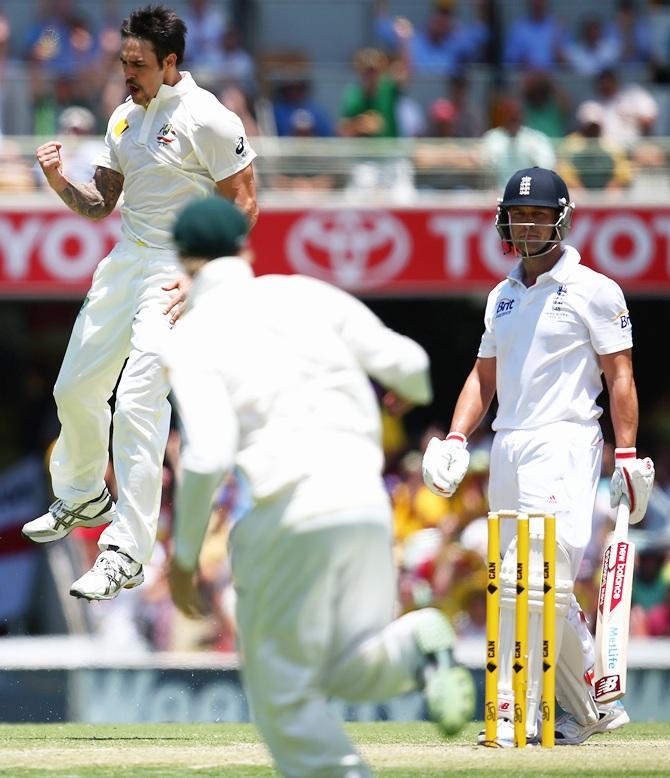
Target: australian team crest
166,135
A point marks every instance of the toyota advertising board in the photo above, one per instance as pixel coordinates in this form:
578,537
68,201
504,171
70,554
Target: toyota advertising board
52,252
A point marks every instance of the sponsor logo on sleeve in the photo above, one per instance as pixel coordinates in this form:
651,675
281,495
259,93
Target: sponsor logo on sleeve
240,149
623,317
120,127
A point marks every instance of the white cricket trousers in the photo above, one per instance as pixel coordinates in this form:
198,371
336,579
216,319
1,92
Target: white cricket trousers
120,319
315,602
556,469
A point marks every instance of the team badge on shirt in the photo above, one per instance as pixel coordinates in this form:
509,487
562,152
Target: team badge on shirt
558,304
165,135
559,298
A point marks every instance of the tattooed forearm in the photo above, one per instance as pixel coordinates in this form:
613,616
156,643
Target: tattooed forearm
96,199
84,199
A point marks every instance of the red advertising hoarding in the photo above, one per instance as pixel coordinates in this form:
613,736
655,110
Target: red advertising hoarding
370,251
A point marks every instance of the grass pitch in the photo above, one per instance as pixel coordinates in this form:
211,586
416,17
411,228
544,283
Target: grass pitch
395,750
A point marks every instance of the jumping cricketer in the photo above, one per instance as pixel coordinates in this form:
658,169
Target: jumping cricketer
169,142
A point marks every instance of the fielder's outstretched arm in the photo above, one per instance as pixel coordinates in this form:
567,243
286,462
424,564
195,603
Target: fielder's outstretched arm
210,438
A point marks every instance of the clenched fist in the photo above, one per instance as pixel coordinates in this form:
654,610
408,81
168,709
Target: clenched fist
48,155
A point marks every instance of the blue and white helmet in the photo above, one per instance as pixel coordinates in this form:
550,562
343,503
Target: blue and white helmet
541,187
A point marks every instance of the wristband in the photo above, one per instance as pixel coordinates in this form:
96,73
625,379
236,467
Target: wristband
458,436
624,454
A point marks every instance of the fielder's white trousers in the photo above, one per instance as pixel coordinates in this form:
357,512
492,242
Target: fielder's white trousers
121,319
315,600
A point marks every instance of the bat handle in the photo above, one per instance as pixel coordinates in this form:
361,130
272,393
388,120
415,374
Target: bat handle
622,516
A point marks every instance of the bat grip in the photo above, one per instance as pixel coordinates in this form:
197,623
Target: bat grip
622,516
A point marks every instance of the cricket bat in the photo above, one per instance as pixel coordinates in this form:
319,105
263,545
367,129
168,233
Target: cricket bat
616,586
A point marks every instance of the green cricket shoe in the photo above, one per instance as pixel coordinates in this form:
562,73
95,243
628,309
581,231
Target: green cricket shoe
448,686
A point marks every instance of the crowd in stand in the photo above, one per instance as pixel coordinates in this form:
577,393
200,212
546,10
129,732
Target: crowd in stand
581,94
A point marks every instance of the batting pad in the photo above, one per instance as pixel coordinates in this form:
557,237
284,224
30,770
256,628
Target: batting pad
564,587
573,691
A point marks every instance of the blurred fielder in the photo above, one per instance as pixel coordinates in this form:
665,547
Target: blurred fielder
168,142
271,374
553,327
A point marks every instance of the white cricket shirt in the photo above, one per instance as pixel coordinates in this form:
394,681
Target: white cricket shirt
546,340
271,374
169,153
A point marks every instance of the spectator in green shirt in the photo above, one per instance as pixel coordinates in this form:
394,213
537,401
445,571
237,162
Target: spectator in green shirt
369,106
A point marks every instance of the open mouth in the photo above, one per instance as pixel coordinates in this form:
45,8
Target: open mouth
133,89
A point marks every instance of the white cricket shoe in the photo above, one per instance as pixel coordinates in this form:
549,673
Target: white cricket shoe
504,735
570,732
62,518
113,570
448,686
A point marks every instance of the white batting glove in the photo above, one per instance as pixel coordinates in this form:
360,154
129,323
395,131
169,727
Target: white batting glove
445,462
634,478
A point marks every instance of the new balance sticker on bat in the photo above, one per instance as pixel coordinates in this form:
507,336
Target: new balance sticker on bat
607,685
603,580
619,570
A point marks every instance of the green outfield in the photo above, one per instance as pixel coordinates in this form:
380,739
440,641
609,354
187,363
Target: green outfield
401,750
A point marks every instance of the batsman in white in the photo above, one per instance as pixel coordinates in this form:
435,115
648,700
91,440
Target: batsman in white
270,375
552,329
168,142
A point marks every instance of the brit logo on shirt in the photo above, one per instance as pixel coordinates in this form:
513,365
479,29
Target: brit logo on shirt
166,135
623,317
504,307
